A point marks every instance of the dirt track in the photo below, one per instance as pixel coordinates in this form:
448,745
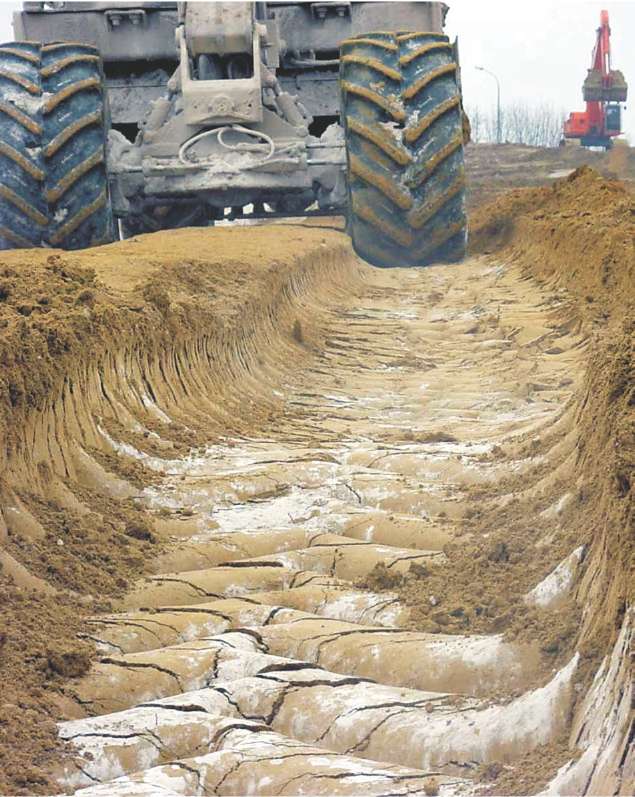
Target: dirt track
384,515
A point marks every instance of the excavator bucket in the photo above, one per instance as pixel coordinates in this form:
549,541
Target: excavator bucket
614,89
619,89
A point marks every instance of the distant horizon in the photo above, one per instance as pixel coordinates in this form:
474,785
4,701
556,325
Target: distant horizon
540,51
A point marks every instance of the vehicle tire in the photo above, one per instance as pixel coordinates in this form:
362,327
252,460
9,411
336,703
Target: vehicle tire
74,146
402,117
23,212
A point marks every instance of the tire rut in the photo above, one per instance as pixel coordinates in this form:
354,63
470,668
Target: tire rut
372,461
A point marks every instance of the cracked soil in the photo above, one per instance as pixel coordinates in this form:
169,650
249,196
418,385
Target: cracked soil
275,522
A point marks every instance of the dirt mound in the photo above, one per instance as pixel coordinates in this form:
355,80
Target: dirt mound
494,169
500,553
577,235
39,649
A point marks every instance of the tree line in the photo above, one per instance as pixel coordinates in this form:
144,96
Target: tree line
534,125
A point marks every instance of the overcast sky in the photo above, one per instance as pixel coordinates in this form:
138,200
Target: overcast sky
540,49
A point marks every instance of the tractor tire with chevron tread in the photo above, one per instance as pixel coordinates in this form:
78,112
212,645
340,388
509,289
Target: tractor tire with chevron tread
23,212
402,116
54,185
74,146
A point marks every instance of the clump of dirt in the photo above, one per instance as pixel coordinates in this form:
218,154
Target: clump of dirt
92,553
87,559
45,322
433,437
39,651
495,561
131,470
528,774
181,437
297,332
381,578
70,662
159,439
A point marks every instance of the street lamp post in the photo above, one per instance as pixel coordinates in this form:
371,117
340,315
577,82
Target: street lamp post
498,102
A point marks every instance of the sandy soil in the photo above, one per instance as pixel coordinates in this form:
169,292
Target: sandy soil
192,378
69,548
578,237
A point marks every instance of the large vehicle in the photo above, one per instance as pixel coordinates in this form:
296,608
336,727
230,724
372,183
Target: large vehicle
156,115
603,90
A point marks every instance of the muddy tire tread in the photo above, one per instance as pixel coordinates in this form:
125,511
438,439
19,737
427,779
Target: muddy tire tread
404,139
23,213
74,147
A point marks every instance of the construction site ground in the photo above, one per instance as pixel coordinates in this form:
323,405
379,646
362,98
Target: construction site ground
277,522
494,169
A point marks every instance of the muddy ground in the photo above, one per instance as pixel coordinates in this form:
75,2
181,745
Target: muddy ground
74,534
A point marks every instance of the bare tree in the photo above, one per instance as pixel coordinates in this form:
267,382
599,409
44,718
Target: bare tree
536,126
476,122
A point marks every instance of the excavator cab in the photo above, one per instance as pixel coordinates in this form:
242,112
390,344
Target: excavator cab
614,118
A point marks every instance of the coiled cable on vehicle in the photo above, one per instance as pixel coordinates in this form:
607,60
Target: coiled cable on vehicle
241,146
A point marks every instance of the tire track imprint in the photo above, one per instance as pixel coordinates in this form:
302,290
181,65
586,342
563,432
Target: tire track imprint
255,656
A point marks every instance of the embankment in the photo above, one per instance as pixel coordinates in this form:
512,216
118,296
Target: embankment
578,238
196,324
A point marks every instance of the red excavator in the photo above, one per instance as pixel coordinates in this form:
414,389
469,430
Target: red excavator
603,91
